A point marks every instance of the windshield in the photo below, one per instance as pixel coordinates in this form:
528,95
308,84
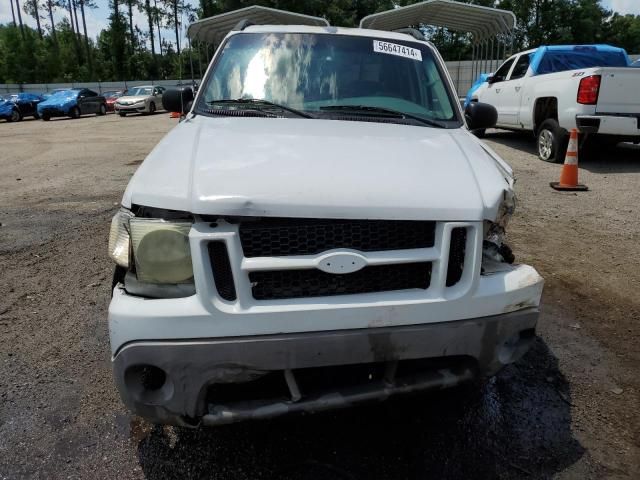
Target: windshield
64,93
139,91
314,72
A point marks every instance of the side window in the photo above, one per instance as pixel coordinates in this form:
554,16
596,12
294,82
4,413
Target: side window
522,65
89,93
503,71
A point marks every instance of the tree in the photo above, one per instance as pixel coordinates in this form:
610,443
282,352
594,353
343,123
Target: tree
31,7
50,7
89,4
13,14
19,18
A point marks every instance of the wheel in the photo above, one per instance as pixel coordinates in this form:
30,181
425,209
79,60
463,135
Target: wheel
36,116
122,114
481,133
552,141
16,116
152,108
74,112
102,110
46,117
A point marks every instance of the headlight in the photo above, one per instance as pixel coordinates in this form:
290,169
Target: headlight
161,250
139,101
119,238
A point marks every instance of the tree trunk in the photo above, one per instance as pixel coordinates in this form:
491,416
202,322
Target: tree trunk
132,36
13,14
147,7
75,16
53,25
176,26
36,13
73,30
157,13
86,37
20,18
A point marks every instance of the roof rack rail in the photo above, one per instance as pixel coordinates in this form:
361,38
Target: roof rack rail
413,32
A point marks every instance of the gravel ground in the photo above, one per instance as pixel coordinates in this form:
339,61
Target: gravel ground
568,410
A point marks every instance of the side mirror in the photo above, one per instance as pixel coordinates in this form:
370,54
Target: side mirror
491,79
480,116
178,100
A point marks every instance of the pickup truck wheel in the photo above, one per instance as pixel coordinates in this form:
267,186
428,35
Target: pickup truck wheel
552,142
481,133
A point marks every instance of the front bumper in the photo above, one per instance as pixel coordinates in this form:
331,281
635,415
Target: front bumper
460,350
136,108
53,112
619,125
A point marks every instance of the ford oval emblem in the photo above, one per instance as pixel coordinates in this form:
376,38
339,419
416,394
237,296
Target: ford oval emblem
341,263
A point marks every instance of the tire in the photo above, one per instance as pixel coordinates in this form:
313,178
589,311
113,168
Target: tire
122,114
46,117
36,116
152,108
481,133
74,112
551,141
102,110
16,116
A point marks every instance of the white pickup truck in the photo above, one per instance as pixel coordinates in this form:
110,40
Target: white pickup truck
322,229
551,90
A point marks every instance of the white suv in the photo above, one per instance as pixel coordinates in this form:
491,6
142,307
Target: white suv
321,229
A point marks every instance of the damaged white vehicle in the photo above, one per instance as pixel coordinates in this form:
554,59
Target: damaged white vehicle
320,230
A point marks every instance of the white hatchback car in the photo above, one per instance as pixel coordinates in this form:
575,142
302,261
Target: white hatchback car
320,230
143,99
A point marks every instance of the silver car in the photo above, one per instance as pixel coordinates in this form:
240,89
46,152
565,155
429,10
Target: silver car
142,99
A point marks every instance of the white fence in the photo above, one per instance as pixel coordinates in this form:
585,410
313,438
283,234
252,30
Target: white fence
461,73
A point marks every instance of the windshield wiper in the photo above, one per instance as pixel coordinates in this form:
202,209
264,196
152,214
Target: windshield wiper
256,103
381,112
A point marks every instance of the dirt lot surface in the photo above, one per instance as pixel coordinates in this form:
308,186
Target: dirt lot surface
569,409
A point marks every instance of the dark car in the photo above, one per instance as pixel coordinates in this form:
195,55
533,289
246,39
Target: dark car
72,103
16,106
111,97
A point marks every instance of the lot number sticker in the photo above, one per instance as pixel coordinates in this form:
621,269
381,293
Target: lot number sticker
395,49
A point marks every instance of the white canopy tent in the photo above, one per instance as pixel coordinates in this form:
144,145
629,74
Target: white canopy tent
491,28
213,29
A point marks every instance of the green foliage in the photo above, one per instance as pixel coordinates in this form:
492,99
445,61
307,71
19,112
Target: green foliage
119,53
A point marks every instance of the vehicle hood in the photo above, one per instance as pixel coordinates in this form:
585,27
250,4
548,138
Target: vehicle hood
58,100
132,99
320,169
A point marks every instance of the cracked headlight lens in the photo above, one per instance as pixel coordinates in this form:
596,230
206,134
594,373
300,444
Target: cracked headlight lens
119,238
161,251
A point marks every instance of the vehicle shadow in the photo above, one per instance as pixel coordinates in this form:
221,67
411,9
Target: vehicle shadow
622,158
516,425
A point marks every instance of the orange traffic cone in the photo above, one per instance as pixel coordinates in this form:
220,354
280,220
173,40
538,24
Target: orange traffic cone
569,173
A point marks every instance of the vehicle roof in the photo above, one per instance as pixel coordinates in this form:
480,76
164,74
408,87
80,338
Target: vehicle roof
355,32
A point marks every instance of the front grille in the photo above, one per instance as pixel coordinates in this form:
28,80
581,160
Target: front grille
222,274
274,237
457,249
282,284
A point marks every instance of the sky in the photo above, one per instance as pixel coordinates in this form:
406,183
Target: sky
97,19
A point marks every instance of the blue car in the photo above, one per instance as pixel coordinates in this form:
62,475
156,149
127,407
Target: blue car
72,103
16,106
